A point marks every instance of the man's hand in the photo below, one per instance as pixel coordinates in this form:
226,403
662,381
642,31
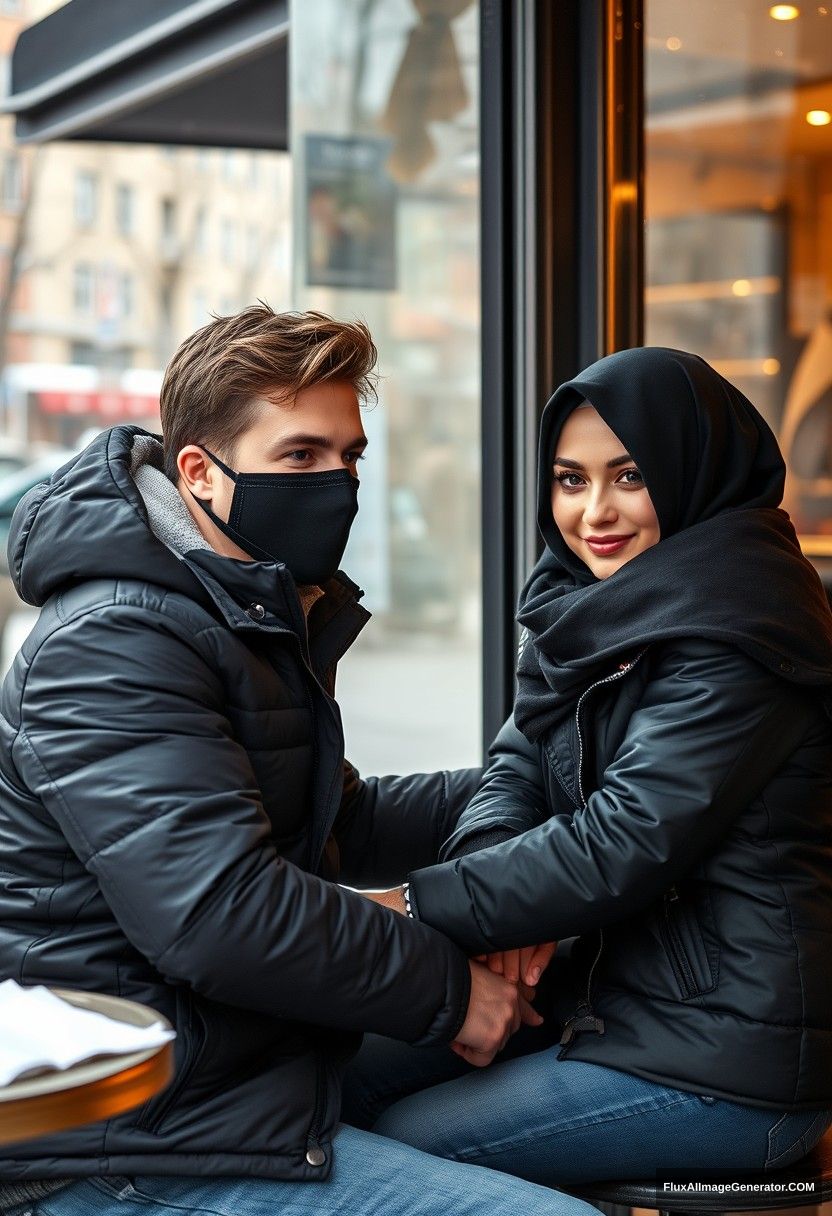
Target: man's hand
496,1009
521,966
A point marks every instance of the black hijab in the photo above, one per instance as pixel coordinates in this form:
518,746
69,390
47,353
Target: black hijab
728,565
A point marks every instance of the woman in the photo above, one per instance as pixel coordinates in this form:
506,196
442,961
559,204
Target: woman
663,794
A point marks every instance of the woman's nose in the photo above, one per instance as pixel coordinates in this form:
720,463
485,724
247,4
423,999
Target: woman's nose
600,508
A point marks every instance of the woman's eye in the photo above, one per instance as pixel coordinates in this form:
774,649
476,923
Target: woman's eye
570,480
632,477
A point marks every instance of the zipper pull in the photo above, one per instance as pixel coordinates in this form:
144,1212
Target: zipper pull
580,1022
672,895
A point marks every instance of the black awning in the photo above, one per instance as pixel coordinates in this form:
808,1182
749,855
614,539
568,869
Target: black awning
205,72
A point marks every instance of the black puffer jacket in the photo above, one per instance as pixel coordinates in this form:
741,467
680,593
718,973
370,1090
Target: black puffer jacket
668,772
173,800
680,822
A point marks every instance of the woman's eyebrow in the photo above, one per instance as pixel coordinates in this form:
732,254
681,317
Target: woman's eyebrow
575,464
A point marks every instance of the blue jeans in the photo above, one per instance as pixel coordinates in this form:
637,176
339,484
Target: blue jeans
371,1177
562,1122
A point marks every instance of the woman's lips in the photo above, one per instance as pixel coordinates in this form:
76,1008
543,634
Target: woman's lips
603,548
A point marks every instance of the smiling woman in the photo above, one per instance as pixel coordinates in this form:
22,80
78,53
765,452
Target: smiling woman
602,509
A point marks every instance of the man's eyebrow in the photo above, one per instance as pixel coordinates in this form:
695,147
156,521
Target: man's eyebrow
575,464
316,441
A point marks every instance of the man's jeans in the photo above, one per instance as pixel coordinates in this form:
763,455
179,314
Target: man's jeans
562,1122
371,1177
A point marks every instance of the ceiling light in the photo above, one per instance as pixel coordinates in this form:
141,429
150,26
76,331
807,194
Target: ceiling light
784,12
771,367
674,44
741,287
819,118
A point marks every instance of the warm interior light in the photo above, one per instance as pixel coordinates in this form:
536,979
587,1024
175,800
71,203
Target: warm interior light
741,287
819,118
771,367
784,12
674,44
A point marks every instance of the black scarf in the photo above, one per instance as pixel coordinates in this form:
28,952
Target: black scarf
728,565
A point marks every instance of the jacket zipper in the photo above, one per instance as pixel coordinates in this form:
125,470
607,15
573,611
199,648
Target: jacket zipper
585,1017
315,1155
678,958
151,1120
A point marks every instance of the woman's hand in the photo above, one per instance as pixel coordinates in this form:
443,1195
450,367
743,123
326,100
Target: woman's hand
521,966
392,898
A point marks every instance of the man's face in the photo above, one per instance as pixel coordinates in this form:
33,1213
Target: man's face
319,432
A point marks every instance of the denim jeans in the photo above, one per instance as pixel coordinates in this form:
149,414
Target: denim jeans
562,1122
371,1177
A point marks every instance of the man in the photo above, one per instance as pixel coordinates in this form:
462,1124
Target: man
175,798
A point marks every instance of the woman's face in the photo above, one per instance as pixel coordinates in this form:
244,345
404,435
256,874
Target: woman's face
600,503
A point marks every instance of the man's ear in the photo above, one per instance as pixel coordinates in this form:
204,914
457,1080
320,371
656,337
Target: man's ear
196,471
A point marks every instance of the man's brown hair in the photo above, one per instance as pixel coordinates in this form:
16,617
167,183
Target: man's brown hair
214,378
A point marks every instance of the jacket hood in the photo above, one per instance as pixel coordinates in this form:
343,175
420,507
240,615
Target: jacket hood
89,521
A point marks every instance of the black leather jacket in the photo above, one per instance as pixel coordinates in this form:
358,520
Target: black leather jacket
679,824
174,795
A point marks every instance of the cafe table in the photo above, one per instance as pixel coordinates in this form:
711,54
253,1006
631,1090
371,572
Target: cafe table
93,1090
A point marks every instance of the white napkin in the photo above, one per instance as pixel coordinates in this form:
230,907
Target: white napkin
38,1030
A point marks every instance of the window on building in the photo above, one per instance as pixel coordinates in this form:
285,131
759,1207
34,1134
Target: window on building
228,240
83,288
252,245
86,198
125,208
168,218
199,308
201,230
127,294
83,353
12,182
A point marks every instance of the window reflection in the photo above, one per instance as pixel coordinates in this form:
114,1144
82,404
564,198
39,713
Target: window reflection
739,217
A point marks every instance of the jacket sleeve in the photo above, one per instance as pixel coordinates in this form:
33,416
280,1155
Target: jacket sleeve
700,745
387,826
125,739
510,800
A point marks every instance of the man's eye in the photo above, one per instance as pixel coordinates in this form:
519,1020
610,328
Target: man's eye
299,454
353,457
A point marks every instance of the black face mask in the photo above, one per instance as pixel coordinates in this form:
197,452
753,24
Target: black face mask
300,519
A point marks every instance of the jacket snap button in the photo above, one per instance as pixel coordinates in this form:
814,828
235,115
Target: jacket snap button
256,612
786,666
316,1156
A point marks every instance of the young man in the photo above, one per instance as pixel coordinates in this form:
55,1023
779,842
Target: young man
175,798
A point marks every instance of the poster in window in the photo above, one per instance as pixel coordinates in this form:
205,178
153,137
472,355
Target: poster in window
350,213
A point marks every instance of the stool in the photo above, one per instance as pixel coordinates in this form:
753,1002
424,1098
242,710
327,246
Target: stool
649,1194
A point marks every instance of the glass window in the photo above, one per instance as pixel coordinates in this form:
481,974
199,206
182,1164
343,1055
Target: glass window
739,216
83,286
385,140
125,209
86,198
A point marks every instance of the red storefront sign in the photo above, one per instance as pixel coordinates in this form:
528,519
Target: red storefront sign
107,404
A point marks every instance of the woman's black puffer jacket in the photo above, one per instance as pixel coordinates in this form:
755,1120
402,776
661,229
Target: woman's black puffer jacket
679,822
